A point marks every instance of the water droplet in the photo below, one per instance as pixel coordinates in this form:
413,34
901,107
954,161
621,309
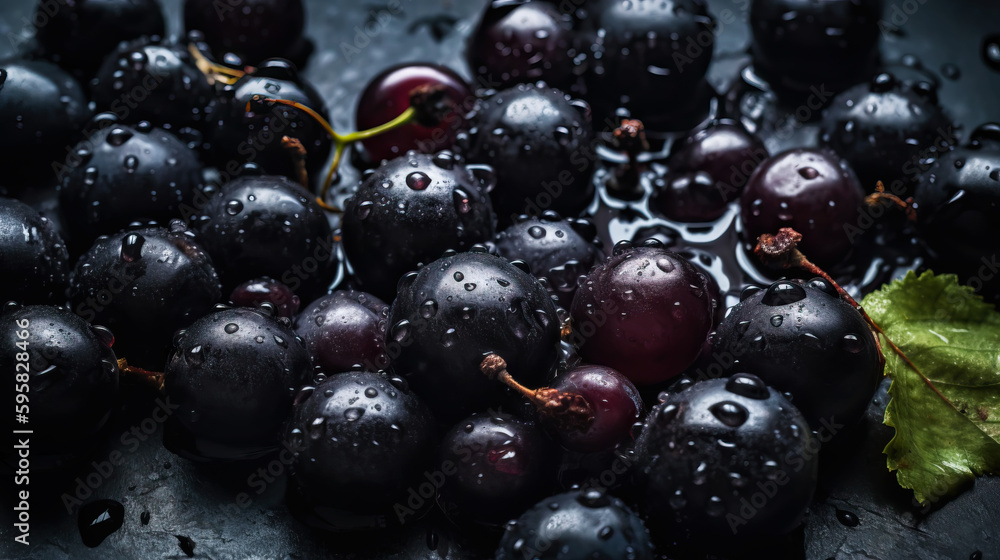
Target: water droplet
991,51
195,356
537,232
715,507
449,338
469,286
401,331
132,247
808,172
458,276
428,309
131,164
852,343
316,428
371,392
777,320
783,293
119,136
280,341
90,175
97,520
232,328
461,200
847,518
418,180
665,264
951,71
234,207
605,533
730,413
444,160
749,386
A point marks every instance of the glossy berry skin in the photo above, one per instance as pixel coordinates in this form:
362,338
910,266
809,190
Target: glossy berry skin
124,173
958,203
267,225
71,375
78,35
540,142
645,312
647,56
522,42
502,466
614,401
344,330
260,290
577,525
557,250
144,283
360,439
811,190
708,169
176,96
239,136
387,95
233,374
409,211
456,310
789,36
255,30
801,338
886,128
710,452
42,109
33,255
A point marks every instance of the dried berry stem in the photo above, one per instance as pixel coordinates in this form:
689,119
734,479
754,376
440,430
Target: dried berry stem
144,374
568,410
880,195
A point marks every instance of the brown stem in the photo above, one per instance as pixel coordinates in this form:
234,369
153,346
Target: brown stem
297,152
880,196
568,411
782,249
630,137
142,374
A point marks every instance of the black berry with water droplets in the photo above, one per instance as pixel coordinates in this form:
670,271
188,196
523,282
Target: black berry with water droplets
267,225
813,191
260,290
42,109
522,42
557,250
409,211
708,169
255,133
958,206
648,56
144,284
359,439
127,173
889,130
801,338
177,96
255,30
69,372
344,330
709,453
540,143
78,35
790,36
645,312
456,310
233,375
501,466
32,255
577,525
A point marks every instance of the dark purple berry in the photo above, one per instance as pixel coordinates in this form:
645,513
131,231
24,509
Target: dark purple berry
812,191
614,402
32,256
344,330
260,290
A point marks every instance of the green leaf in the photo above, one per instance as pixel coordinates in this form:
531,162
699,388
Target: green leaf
947,415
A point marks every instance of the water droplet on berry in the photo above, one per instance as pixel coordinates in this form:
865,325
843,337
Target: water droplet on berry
418,180
119,136
458,276
234,207
231,328
353,414
469,286
537,232
715,507
783,293
461,200
428,309
847,518
131,163
132,247
449,338
730,413
401,331
852,343
605,533
776,320
808,172
748,386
